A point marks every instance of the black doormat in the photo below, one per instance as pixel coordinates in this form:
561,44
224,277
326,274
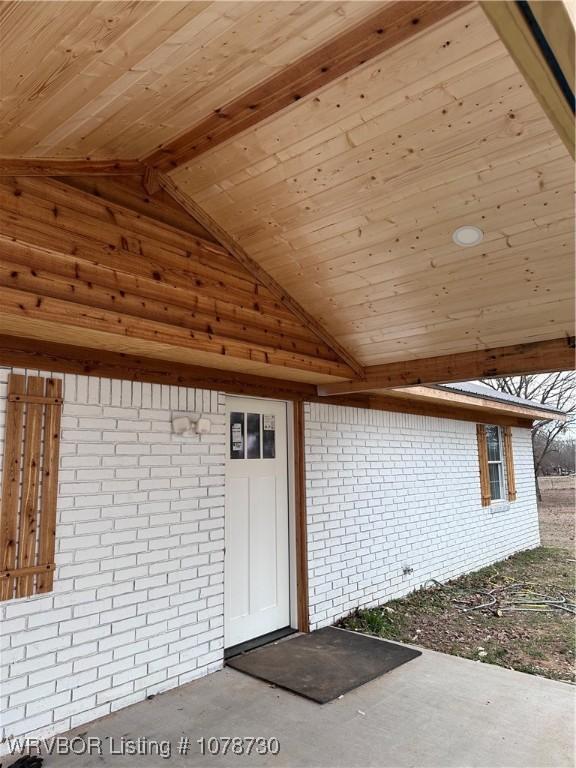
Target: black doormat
323,664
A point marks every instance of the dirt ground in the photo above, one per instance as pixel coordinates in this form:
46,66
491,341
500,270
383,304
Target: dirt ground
537,639
556,511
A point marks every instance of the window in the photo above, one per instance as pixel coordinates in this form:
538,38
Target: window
495,463
495,448
252,436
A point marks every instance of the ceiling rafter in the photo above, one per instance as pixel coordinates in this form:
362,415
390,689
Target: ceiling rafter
383,30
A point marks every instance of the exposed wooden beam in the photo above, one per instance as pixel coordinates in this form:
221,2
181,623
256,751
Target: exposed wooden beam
67,358
536,357
392,24
20,307
150,180
60,166
234,248
540,39
22,352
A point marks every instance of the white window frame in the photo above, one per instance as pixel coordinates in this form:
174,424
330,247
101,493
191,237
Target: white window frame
499,463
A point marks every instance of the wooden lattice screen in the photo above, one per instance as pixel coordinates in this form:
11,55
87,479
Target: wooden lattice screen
29,486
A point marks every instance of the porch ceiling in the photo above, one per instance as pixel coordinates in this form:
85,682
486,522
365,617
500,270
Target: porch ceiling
330,148
350,198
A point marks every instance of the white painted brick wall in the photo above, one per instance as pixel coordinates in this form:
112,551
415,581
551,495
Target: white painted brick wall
388,490
138,601
137,606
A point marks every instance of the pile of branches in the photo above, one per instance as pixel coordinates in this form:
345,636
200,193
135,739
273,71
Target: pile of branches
509,598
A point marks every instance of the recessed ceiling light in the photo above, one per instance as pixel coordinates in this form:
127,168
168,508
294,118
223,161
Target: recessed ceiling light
467,235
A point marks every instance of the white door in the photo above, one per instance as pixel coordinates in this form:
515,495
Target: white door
256,572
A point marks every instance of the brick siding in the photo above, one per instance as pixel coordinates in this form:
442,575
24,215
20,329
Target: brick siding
137,606
390,492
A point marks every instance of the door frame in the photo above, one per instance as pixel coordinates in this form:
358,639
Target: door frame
298,512
297,529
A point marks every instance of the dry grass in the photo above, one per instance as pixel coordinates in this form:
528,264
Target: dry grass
537,643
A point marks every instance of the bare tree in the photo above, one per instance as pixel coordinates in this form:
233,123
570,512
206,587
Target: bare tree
561,459
553,389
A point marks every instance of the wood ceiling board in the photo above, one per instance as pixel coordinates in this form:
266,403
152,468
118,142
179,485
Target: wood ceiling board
351,202
263,278
361,256
71,259
119,79
389,26
316,241
319,127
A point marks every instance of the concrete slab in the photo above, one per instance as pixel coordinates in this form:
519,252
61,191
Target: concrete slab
436,711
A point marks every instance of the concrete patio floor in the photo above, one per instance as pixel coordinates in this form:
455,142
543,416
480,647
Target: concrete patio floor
436,710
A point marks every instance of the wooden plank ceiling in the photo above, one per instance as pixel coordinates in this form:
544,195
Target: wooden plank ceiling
350,197
116,79
322,238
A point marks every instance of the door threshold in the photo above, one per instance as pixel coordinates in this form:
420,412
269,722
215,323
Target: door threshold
257,642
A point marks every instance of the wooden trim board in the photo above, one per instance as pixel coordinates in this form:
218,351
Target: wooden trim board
535,357
459,399
510,23
301,519
51,356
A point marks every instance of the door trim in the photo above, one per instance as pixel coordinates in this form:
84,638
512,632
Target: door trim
299,515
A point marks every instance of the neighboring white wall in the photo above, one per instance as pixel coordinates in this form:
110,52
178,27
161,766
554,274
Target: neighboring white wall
387,491
137,606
